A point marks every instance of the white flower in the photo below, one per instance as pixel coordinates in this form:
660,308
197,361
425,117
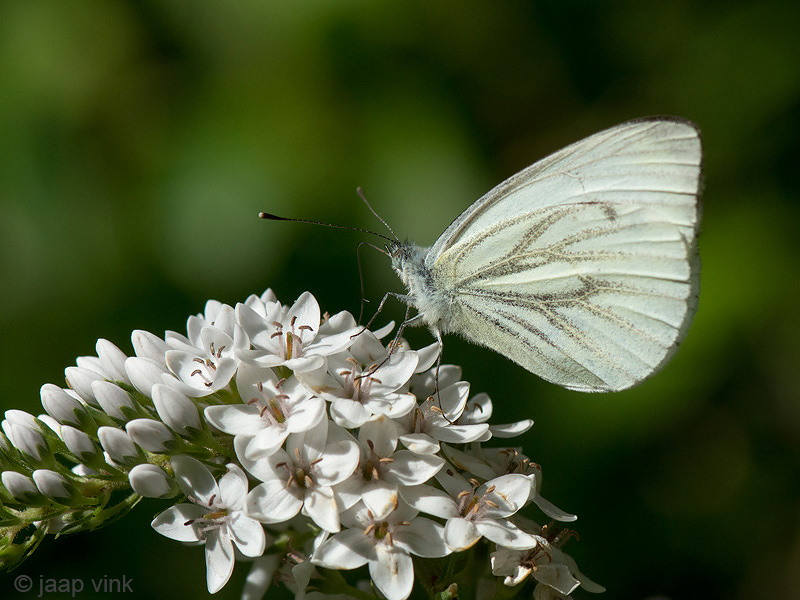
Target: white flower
215,517
382,469
434,421
289,338
476,511
210,367
385,542
273,409
302,476
547,564
365,381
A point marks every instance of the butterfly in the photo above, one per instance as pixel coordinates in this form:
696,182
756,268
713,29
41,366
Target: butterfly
583,268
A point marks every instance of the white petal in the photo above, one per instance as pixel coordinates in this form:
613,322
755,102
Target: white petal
247,534
460,534
393,572
557,576
306,312
265,443
459,434
427,356
430,500
421,443
272,502
422,537
382,432
552,511
511,429
233,488
338,462
219,561
349,549
320,504
172,522
114,401
151,435
148,346
413,469
305,414
194,478
235,419
453,399
381,498
504,533
113,359
265,469
511,492
151,481
395,372
349,413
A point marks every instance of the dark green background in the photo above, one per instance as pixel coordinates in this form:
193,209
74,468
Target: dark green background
138,141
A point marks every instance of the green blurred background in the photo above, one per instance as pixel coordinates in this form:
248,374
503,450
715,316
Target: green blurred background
138,141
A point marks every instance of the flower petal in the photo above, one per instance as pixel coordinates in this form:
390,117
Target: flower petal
460,534
247,534
273,502
194,478
393,572
320,505
422,537
349,549
172,522
219,561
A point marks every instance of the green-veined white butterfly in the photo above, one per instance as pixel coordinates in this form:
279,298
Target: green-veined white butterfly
582,268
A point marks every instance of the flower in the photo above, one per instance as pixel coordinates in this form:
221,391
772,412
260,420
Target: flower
383,469
434,421
384,542
547,564
215,517
289,337
302,476
350,439
273,409
365,381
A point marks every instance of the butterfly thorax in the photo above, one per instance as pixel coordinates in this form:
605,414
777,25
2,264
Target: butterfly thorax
431,301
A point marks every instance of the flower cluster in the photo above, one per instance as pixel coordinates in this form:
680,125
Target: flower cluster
299,441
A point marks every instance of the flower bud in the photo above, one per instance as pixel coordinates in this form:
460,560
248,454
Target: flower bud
81,445
147,345
28,441
80,380
176,410
151,435
114,401
151,481
62,406
119,446
56,487
113,360
143,373
22,488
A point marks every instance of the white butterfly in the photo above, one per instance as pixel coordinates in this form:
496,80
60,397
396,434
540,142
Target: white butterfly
582,268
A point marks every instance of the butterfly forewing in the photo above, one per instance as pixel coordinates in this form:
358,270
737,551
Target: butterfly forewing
582,268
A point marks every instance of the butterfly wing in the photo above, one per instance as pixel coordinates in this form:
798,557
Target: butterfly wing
583,267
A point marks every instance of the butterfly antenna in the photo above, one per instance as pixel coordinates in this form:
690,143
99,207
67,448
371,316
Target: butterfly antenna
272,217
361,195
